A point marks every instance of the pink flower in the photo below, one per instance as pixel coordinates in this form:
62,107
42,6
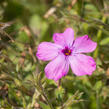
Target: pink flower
66,51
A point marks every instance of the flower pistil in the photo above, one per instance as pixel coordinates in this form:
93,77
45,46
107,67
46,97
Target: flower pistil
67,51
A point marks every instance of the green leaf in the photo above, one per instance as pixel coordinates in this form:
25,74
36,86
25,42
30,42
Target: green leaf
23,37
43,105
104,41
38,25
98,85
98,3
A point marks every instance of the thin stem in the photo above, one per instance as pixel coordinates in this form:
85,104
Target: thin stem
97,100
48,101
43,92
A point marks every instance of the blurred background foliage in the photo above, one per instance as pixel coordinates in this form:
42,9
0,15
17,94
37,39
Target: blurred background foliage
26,23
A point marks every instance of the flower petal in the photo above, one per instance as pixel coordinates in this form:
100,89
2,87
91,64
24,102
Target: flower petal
65,39
82,64
84,45
57,68
47,51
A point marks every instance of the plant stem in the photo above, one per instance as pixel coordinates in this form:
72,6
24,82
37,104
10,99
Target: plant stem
43,92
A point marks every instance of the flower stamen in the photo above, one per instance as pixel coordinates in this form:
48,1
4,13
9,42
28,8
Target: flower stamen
66,51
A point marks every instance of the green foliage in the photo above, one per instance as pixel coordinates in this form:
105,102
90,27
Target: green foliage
26,23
